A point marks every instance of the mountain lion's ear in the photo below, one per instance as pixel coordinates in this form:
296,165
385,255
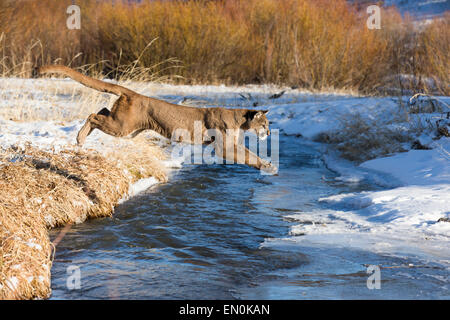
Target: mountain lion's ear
251,114
261,113
255,114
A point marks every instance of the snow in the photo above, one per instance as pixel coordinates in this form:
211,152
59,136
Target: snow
350,173
402,219
45,134
139,186
311,118
417,167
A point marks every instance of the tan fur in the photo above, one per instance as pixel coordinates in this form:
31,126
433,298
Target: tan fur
133,113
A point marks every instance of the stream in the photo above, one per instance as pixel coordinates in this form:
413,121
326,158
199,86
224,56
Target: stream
201,236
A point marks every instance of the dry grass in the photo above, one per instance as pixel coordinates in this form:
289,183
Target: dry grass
43,100
306,43
361,139
362,136
436,49
44,189
25,250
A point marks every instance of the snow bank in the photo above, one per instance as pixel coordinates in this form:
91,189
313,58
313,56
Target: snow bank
405,218
417,167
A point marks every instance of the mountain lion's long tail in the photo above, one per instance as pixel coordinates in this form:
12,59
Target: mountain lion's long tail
85,80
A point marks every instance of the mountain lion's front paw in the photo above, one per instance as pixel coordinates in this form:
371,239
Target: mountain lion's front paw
269,169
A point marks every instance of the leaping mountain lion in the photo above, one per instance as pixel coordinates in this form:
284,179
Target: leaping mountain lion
133,113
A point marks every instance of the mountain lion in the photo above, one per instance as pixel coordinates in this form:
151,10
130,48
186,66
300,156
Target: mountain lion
133,113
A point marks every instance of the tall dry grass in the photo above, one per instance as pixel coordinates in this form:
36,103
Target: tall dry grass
309,43
435,41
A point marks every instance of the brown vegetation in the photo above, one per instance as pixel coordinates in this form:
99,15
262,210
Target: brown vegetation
45,189
314,44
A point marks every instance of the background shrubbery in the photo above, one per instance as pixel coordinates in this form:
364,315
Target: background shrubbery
313,44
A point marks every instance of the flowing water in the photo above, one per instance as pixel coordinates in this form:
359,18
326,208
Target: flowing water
222,232
199,236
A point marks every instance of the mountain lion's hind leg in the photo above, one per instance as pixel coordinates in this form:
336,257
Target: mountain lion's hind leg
84,132
88,127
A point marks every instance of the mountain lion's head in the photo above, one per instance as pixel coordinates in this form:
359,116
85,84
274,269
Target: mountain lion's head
257,120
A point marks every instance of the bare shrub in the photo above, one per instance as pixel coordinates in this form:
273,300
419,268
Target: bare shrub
361,138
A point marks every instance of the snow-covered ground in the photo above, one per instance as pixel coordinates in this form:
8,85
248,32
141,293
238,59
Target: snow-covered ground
403,217
406,218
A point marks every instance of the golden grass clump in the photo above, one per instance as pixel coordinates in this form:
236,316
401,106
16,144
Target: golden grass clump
25,249
44,189
140,159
